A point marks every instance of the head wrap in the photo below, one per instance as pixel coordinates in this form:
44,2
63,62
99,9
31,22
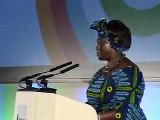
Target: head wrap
101,27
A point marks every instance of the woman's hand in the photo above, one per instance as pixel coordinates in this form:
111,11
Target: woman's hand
107,115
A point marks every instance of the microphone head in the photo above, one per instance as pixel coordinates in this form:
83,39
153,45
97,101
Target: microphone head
45,76
69,68
30,77
60,66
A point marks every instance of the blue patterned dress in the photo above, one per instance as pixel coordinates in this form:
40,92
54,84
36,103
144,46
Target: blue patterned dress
121,91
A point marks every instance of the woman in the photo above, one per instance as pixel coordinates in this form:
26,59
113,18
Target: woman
116,89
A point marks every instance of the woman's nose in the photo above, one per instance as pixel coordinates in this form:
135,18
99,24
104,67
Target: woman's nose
97,47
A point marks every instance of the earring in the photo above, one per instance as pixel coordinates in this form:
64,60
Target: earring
116,40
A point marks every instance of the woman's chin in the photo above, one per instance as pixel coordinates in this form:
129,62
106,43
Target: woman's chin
102,59
99,58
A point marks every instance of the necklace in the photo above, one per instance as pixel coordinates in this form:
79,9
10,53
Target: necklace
106,70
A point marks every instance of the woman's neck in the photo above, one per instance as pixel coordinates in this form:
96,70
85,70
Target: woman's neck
115,59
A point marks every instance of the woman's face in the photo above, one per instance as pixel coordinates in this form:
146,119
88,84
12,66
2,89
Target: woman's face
103,49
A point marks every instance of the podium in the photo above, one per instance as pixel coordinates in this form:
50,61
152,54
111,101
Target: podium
32,105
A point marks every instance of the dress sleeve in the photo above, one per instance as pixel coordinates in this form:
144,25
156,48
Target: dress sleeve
127,92
93,92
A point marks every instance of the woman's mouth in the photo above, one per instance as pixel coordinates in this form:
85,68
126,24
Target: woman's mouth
98,53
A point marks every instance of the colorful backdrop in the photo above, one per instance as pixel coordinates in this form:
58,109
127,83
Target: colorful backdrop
49,32
45,32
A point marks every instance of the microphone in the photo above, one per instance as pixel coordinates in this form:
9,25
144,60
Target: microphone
60,66
30,77
69,68
45,76
61,72
53,69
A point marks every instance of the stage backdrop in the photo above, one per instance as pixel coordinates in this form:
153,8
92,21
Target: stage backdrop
36,35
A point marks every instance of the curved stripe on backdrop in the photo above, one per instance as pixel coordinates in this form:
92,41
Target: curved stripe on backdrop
64,30
142,4
80,26
142,22
48,31
1,102
61,45
95,10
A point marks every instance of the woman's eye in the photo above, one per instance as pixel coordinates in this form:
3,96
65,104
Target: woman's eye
107,42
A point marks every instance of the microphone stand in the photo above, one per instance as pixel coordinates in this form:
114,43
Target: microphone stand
28,84
43,82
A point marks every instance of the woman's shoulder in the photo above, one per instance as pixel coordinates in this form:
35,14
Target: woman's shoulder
127,66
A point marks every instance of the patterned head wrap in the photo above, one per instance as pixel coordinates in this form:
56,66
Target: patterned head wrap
101,27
